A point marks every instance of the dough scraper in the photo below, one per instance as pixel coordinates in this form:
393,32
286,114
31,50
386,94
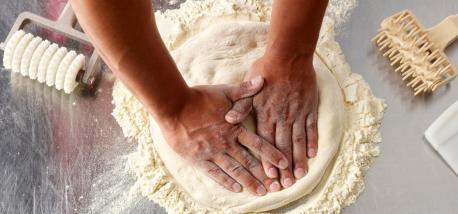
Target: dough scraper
443,136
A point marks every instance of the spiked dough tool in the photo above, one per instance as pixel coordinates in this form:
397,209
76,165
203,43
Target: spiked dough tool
45,61
443,136
416,53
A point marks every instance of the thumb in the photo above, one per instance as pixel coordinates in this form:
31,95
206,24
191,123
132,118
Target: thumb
239,111
245,89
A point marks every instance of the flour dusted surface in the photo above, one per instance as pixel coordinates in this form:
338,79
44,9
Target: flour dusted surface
363,114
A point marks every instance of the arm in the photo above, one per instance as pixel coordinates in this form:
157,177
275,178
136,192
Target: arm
287,106
295,28
125,35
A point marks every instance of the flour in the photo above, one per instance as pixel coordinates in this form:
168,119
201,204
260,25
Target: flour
364,113
340,10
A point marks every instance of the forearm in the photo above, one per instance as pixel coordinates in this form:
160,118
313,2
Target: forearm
125,35
295,27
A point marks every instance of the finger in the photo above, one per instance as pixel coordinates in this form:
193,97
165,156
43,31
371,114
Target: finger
245,89
283,143
299,149
263,148
239,111
312,134
267,132
254,166
218,175
234,169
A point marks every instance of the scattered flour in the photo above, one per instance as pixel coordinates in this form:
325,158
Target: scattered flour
364,113
340,10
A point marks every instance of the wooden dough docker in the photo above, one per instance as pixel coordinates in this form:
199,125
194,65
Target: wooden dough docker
418,53
45,61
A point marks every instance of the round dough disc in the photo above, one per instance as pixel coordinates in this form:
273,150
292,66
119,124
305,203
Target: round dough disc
221,55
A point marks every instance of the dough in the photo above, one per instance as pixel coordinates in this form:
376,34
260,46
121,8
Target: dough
221,54
343,179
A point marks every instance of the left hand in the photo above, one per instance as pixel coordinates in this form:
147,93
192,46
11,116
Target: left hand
286,112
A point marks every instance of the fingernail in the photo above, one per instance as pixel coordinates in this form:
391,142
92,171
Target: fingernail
232,115
283,164
273,173
275,186
236,187
261,191
256,80
311,152
299,173
287,182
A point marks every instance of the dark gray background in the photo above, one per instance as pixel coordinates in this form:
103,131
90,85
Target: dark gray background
55,149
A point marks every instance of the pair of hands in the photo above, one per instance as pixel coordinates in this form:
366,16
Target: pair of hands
284,97
194,120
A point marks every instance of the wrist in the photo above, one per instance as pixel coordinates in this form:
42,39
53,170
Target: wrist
286,61
288,56
171,109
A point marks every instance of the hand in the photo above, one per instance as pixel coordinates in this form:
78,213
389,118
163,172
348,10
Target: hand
286,111
199,133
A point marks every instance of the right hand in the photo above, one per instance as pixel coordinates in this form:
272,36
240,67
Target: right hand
199,133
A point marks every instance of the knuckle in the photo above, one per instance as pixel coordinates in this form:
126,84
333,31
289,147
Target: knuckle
257,144
244,86
295,106
312,142
236,170
312,136
214,171
266,164
312,123
286,119
261,117
227,182
299,139
284,147
225,146
242,106
264,130
252,183
250,163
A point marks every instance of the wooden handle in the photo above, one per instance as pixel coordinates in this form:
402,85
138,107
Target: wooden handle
445,32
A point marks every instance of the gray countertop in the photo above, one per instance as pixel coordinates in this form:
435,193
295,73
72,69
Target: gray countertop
61,154
409,176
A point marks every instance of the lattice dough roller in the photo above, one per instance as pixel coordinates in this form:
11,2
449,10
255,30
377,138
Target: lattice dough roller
45,61
418,53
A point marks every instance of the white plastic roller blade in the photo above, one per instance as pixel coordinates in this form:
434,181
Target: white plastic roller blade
27,56
62,69
10,47
70,82
44,62
36,57
19,50
53,65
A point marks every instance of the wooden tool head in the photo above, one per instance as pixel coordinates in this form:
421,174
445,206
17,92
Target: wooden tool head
411,50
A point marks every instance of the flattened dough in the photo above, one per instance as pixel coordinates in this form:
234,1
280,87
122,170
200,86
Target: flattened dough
222,54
